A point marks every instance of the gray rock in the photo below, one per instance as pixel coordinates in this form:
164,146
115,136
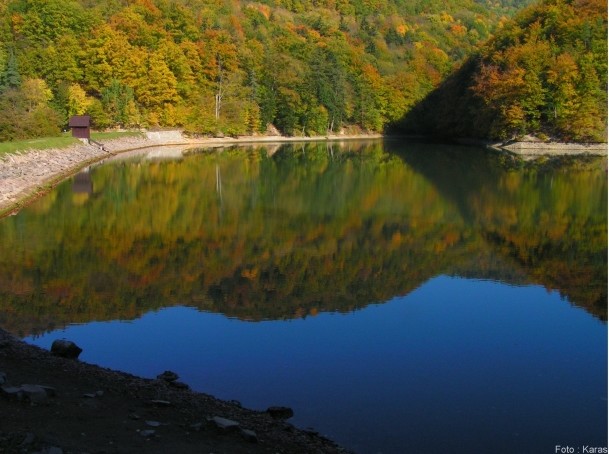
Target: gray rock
280,412
168,376
28,440
249,435
179,385
54,450
35,393
90,395
196,426
3,378
11,392
147,433
153,423
223,424
51,392
160,403
65,349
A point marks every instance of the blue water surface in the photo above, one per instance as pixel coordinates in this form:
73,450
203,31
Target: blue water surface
458,365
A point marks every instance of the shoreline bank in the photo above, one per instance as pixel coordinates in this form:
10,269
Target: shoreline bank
63,405
28,175
532,148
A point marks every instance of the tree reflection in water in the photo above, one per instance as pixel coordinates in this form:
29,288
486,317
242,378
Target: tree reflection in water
306,229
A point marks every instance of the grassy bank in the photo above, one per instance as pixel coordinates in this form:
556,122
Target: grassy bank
63,141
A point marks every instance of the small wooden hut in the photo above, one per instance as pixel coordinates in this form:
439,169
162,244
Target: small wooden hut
81,126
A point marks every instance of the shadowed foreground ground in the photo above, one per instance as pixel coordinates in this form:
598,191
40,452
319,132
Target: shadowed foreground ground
96,410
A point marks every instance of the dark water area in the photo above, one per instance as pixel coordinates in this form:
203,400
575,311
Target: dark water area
399,297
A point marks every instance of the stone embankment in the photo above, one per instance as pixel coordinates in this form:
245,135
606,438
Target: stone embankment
529,146
25,175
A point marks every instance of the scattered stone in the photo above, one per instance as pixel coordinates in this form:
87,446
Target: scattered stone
223,424
99,393
147,433
153,423
280,412
12,392
160,403
249,435
51,392
236,402
179,385
3,378
65,349
35,393
28,440
134,416
196,426
90,395
168,376
54,450
89,403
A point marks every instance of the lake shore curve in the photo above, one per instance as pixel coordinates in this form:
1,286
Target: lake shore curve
27,175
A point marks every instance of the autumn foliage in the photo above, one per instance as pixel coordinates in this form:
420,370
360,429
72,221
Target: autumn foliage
545,73
229,67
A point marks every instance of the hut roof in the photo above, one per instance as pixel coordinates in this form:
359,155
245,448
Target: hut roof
80,121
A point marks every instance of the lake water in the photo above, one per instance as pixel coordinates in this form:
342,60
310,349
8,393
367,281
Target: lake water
399,297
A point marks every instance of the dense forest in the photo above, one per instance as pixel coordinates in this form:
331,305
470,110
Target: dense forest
232,66
545,72
304,230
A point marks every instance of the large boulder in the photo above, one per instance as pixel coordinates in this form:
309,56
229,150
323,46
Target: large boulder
65,349
280,412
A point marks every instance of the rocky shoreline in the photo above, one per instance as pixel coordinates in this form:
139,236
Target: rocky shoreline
53,404
530,146
27,175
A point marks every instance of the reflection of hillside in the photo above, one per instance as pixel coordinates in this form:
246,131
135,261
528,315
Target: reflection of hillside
260,237
337,239
548,217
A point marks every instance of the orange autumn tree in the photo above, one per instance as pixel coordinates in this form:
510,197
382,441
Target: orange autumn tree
544,73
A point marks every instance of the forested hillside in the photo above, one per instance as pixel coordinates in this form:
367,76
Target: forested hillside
230,66
545,73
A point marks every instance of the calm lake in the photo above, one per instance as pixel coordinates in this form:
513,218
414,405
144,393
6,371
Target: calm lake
399,297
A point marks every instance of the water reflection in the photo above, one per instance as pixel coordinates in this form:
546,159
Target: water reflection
303,229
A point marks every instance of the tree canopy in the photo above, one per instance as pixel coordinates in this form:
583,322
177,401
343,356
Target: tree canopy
544,73
234,67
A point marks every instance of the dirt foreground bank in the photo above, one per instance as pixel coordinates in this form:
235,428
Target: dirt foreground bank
88,409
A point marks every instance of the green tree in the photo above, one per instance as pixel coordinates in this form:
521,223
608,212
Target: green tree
10,77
